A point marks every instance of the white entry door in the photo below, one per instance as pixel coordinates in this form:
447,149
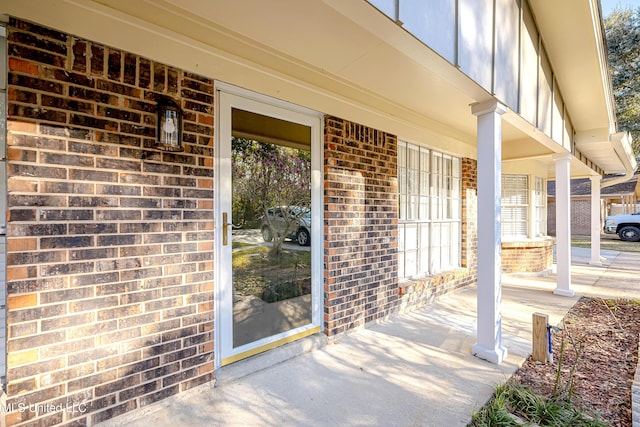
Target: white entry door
269,223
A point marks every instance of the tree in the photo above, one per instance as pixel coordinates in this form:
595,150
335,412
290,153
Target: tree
622,29
269,176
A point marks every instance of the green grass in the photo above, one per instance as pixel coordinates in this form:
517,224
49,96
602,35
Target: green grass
236,245
607,242
256,259
257,273
531,408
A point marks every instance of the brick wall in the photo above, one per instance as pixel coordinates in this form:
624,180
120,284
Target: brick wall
361,225
469,257
580,216
534,256
422,292
109,241
551,216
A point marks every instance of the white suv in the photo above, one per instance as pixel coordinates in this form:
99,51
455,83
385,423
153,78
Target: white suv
293,221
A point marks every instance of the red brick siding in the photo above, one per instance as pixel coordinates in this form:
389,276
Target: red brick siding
469,257
110,242
526,259
421,292
361,225
580,216
551,216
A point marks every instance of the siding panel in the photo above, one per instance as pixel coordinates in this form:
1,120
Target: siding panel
475,40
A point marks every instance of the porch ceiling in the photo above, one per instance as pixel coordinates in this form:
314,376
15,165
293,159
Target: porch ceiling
363,65
344,58
570,30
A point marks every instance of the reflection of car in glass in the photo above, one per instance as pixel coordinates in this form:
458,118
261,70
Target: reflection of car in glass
293,221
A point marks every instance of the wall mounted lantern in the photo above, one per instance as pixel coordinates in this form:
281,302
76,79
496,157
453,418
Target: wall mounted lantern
169,133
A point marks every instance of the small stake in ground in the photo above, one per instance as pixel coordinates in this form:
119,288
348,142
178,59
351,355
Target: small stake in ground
540,337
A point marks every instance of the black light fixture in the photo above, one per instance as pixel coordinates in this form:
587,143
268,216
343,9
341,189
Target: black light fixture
169,132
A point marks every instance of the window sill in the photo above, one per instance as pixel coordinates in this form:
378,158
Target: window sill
537,242
419,283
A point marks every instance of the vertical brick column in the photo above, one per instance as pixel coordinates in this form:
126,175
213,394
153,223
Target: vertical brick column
361,225
469,256
109,241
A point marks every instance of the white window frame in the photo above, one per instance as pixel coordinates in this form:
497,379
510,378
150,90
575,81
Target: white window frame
524,207
539,207
515,211
430,211
227,98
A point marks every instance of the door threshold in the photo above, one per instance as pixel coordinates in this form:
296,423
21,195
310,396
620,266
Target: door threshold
244,367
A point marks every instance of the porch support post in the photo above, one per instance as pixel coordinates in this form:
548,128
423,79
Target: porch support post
595,221
489,346
563,225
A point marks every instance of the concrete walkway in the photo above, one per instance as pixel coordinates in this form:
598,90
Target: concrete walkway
412,370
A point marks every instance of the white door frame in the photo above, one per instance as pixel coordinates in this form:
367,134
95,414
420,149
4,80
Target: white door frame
226,98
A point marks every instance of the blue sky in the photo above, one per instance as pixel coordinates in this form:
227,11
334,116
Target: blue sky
609,5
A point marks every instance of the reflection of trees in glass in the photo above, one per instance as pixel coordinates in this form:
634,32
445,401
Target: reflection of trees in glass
267,176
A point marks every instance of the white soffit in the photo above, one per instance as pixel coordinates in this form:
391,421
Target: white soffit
571,33
335,56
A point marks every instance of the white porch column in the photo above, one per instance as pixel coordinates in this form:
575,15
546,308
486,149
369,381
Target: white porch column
489,345
563,225
595,221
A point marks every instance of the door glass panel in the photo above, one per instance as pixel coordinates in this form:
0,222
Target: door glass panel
271,220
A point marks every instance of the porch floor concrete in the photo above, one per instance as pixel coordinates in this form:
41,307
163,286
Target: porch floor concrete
412,370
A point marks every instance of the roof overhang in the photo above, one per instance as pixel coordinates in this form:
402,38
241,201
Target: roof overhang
573,35
345,59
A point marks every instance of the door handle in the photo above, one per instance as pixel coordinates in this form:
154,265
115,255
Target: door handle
225,229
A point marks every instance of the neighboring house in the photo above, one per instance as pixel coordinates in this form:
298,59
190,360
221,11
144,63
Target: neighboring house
616,199
420,122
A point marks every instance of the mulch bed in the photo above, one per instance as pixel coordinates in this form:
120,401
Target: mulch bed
605,333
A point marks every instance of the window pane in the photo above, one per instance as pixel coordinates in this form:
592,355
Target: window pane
411,237
436,162
455,249
424,161
424,182
445,241
414,206
515,205
457,172
402,181
413,184
435,247
447,166
540,196
424,245
429,187
435,207
410,263
424,208
455,188
455,208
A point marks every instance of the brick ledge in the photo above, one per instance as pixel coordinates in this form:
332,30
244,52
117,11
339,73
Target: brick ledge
529,243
